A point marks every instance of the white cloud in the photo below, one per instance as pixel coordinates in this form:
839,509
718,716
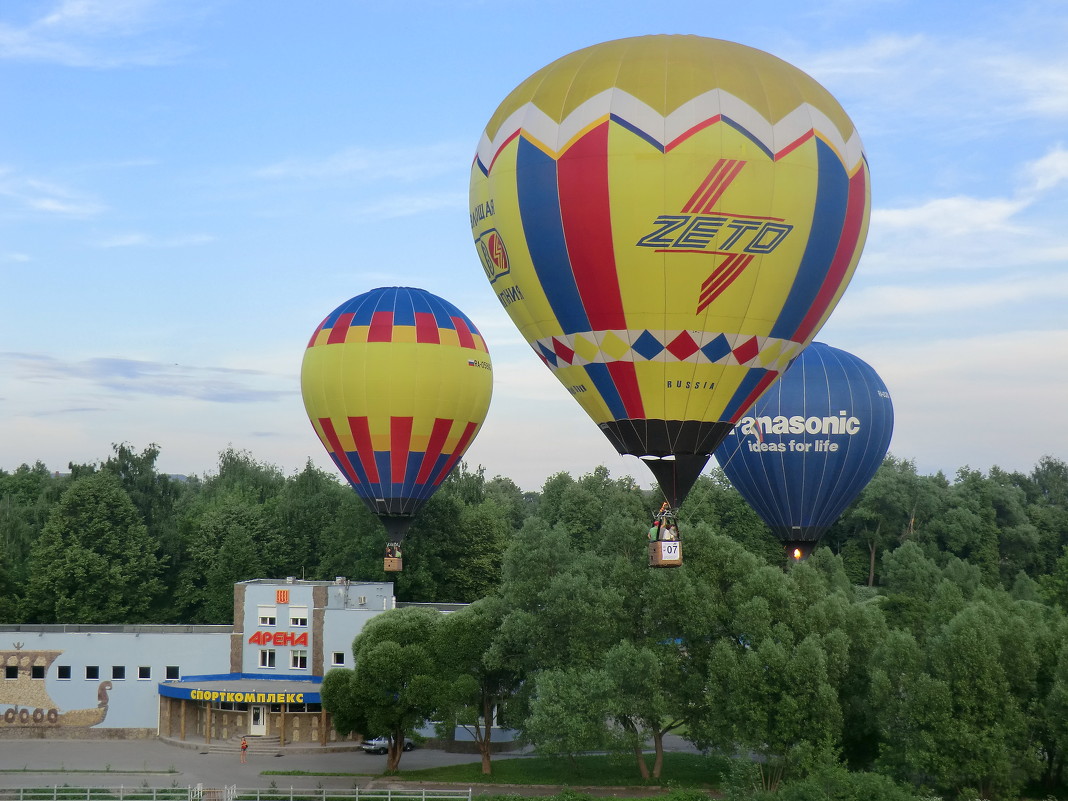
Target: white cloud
396,206
149,241
954,216
1039,84
1049,171
71,381
91,33
867,303
387,164
963,232
28,194
947,89
97,16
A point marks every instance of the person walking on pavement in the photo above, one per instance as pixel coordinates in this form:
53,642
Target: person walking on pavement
244,748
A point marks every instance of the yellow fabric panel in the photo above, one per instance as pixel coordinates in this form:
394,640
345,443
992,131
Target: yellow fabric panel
665,72
382,380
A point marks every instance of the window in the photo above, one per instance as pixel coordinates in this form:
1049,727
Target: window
92,672
298,616
118,672
298,660
267,658
172,672
63,672
339,658
11,671
144,672
268,615
37,672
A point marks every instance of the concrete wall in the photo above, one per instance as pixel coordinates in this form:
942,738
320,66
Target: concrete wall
98,672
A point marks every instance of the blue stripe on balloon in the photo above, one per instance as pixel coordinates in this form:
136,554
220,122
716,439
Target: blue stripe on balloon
602,381
403,308
745,389
362,307
539,209
828,217
622,122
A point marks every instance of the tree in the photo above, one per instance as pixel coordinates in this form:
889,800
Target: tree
155,496
474,686
775,698
952,707
910,583
94,561
638,681
1055,745
27,496
987,744
715,502
393,686
225,541
966,526
886,509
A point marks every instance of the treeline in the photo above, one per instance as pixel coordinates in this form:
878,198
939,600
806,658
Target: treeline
948,677
169,549
120,542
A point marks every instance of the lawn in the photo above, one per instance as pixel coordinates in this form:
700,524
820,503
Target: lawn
680,770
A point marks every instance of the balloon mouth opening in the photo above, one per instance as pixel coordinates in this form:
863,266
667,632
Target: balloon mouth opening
649,457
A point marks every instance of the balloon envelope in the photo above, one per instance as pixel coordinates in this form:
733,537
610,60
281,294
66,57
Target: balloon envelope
396,383
669,220
810,445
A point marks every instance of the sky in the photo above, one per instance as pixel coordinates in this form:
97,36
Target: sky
188,188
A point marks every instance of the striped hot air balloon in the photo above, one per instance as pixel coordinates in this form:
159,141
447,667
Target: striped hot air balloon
396,383
669,220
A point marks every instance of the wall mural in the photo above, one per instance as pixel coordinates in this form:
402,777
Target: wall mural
27,699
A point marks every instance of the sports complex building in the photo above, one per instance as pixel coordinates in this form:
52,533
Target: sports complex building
260,676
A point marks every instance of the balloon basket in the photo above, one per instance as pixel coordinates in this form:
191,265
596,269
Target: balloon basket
393,564
665,554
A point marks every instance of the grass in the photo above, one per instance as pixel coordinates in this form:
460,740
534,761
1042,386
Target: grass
680,770
312,773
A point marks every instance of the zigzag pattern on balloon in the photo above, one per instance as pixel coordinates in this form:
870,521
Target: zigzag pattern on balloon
701,347
667,132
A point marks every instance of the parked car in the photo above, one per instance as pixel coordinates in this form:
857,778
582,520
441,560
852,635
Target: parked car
380,745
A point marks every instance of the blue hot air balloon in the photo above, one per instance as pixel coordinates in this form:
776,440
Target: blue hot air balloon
809,445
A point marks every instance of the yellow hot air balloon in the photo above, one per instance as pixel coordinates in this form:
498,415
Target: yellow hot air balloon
669,220
396,383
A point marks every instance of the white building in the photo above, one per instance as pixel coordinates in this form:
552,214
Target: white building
259,676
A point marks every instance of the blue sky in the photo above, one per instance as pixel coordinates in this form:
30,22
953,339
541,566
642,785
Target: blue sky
187,188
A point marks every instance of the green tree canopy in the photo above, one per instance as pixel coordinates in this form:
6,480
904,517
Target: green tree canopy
94,561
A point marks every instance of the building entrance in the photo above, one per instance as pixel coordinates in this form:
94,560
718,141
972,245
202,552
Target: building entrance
257,725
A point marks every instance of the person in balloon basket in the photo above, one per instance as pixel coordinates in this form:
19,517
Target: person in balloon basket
663,532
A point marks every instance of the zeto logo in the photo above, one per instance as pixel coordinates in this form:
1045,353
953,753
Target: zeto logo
493,254
699,229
